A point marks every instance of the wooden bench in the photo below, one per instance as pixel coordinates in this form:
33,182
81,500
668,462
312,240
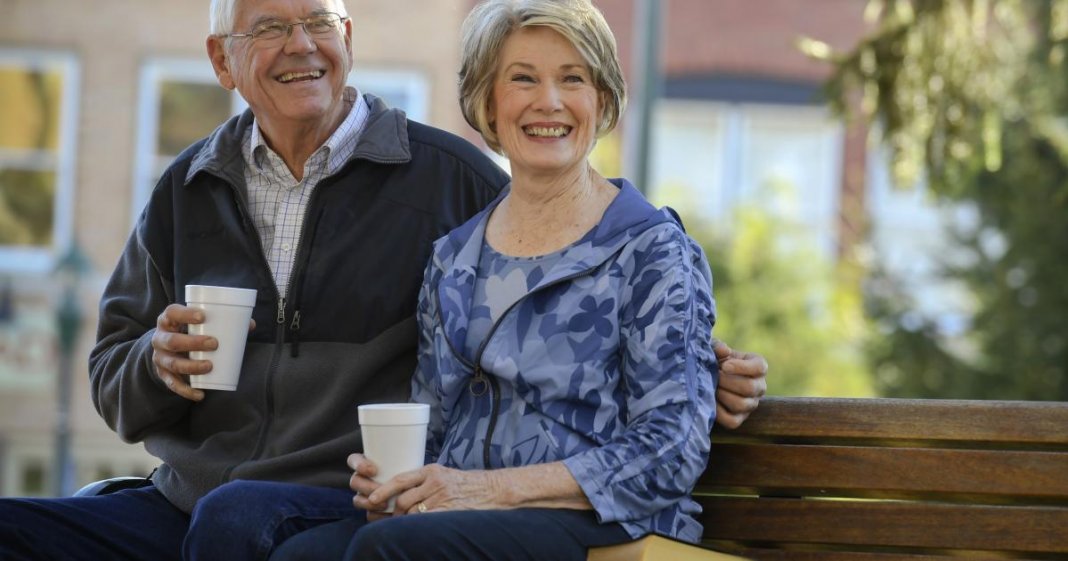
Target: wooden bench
808,479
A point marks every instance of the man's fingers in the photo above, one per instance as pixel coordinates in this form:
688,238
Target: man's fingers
182,343
177,315
180,365
178,385
744,386
736,404
727,419
744,364
723,352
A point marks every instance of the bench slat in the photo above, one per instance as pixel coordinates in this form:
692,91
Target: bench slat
875,524
849,471
757,554
920,420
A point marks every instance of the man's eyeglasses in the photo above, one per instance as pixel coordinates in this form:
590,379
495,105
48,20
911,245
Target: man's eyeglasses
275,32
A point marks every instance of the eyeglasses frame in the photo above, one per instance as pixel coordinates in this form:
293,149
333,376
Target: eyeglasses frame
290,25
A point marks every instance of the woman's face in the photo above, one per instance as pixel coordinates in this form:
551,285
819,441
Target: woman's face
544,105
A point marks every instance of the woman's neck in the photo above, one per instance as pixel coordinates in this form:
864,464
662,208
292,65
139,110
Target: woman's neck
544,214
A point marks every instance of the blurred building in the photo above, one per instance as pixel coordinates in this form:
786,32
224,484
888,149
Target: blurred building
96,98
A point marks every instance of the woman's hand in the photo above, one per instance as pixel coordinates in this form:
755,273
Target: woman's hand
429,488
360,482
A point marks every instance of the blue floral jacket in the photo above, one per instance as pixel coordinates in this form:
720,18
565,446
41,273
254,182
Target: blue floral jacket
605,365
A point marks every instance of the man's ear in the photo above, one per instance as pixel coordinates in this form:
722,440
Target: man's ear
347,31
220,61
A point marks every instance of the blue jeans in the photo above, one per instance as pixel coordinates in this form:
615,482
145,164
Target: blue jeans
237,521
531,534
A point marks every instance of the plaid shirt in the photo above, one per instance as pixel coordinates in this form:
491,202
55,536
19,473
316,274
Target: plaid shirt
277,201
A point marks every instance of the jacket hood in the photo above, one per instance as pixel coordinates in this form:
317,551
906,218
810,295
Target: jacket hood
627,214
457,254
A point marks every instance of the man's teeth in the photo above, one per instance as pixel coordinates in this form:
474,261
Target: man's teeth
547,131
291,76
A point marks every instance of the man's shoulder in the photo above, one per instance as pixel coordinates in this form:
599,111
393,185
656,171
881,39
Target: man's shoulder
431,142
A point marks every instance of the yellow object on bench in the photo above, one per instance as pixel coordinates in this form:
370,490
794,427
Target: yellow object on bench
656,548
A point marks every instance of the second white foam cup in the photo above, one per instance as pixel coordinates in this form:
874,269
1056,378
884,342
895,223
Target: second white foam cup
227,312
394,438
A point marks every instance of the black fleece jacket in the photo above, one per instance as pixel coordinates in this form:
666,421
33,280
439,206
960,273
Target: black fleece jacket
345,334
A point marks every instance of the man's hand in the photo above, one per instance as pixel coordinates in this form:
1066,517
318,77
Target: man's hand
742,382
171,347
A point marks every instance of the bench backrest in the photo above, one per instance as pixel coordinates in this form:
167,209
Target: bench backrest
883,479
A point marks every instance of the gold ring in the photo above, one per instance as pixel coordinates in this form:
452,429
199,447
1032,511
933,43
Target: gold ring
421,508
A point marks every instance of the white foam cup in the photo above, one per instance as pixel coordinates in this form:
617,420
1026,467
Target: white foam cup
227,312
394,437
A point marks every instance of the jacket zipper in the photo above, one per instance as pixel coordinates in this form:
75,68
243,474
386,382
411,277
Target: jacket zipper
280,319
483,381
281,314
294,301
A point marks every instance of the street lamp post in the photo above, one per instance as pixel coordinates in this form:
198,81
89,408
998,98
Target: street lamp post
69,271
646,84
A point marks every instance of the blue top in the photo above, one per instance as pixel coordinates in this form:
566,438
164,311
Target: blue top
605,364
501,280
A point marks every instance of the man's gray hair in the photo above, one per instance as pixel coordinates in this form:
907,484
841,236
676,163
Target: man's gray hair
490,23
223,12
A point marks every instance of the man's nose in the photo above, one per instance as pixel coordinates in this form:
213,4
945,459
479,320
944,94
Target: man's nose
298,39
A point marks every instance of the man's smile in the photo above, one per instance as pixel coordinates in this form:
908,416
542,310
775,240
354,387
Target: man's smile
303,76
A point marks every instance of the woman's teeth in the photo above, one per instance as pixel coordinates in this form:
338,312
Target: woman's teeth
551,132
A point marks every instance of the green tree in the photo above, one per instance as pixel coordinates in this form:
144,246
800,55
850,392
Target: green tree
970,96
778,296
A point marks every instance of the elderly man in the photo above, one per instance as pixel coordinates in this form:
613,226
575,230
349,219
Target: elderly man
326,202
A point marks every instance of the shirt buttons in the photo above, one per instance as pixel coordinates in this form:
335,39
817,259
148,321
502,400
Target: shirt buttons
285,247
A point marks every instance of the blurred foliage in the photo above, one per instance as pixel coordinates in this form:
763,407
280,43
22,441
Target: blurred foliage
970,96
783,299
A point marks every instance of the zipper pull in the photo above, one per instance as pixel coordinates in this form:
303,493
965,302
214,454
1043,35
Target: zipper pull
294,350
281,317
479,384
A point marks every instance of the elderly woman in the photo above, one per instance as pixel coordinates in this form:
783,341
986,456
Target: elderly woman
564,330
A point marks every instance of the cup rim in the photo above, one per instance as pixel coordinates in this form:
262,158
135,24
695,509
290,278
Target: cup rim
228,295
393,413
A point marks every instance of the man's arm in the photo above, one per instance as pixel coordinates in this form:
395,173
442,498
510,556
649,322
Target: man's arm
124,384
742,382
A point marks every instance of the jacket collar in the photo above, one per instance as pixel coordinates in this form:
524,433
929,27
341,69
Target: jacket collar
458,255
383,140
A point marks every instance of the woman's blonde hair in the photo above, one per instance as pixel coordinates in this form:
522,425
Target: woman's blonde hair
490,23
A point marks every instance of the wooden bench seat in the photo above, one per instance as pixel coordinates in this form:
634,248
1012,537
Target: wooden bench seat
883,479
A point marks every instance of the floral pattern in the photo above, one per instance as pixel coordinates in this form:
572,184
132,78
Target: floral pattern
605,365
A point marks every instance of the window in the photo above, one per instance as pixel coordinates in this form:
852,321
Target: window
403,89
37,112
182,102
711,157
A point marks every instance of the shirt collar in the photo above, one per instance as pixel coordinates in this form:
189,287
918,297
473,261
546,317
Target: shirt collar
338,147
